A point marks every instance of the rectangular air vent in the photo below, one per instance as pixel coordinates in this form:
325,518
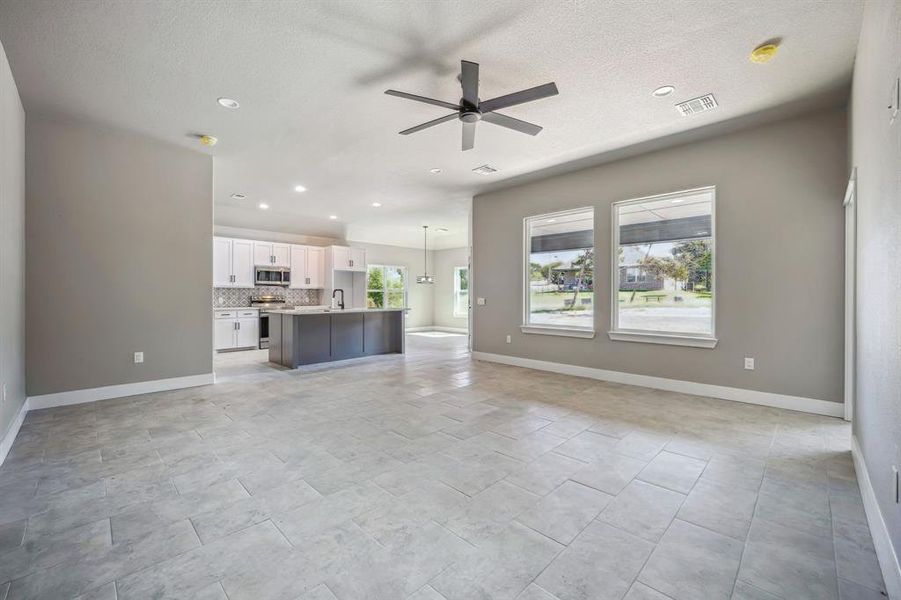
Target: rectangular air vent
696,105
484,170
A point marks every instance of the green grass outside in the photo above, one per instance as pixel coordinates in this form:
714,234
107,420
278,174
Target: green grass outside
667,299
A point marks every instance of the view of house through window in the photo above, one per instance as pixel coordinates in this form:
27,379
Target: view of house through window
664,262
560,288
386,287
461,291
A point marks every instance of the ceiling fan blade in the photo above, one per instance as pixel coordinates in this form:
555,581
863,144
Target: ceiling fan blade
511,123
441,103
469,135
469,79
535,93
431,123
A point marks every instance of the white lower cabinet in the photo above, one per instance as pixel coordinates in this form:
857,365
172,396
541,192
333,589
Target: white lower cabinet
236,329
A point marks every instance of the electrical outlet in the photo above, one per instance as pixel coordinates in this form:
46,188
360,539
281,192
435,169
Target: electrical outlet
221,300
139,357
3,398
480,301
509,339
749,363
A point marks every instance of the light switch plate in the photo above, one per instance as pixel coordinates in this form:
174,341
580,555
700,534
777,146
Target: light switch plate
749,363
480,301
139,357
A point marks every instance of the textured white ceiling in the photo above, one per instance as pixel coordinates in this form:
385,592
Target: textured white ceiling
310,76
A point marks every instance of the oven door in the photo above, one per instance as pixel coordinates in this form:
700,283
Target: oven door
264,330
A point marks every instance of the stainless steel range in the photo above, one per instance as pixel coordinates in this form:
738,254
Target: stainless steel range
263,303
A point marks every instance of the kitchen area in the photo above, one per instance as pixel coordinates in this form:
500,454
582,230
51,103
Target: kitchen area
306,302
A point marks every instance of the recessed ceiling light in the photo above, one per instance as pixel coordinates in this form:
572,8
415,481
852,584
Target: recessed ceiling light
299,188
333,217
228,103
238,197
484,170
263,206
552,220
677,200
441,230
434,171
662,91
376,204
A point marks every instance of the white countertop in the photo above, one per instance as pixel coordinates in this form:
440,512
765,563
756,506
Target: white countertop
328,311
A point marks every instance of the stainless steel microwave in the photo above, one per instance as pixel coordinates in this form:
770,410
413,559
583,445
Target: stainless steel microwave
269,275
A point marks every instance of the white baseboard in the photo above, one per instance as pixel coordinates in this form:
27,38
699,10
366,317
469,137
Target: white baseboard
888,559
117,391
9,437
437,328
808,405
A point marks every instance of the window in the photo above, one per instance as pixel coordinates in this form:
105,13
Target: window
461,291
386,287
663,275
559,274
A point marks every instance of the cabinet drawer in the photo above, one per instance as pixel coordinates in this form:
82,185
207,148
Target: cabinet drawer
248,313
226,314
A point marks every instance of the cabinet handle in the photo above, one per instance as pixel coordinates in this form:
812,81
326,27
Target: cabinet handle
238,324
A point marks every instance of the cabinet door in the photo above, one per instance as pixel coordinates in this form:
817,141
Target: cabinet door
341,258
222,262
242,263
262,253
248,332
281,254
315,268
357,259
299,267
224,334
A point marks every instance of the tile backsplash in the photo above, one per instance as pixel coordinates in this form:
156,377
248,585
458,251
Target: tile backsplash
235,297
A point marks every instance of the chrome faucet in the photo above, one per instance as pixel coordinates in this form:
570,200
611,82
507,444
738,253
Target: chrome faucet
340,304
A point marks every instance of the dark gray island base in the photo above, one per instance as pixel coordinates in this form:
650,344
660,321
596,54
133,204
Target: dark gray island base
298,337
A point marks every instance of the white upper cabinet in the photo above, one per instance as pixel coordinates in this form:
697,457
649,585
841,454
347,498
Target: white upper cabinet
316,267
232,263
262,253
271,254
242,263
348,259
222,262
307,267
281,255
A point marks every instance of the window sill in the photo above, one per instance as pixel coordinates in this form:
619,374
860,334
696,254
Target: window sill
561,331
662,338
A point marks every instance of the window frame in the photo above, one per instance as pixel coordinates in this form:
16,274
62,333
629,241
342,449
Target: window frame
384,289
560,330
457,291
661,337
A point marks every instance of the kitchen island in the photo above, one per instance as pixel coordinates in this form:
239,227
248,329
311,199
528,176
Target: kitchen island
304,336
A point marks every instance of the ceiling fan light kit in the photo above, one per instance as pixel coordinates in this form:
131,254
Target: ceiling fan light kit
471,109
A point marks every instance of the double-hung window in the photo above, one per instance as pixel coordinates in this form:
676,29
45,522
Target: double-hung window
663,269
386,286
461,291
558,298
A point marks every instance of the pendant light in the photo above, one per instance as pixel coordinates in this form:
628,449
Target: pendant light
425,277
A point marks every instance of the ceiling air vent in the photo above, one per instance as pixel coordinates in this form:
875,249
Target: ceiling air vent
696,105
484,170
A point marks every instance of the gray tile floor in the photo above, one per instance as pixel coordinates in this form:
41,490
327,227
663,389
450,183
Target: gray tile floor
429,476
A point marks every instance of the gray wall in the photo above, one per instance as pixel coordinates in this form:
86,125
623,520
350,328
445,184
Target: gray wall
119,258
445,261
12,247
779,258
876,152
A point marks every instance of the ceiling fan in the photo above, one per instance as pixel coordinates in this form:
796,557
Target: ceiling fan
471,110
